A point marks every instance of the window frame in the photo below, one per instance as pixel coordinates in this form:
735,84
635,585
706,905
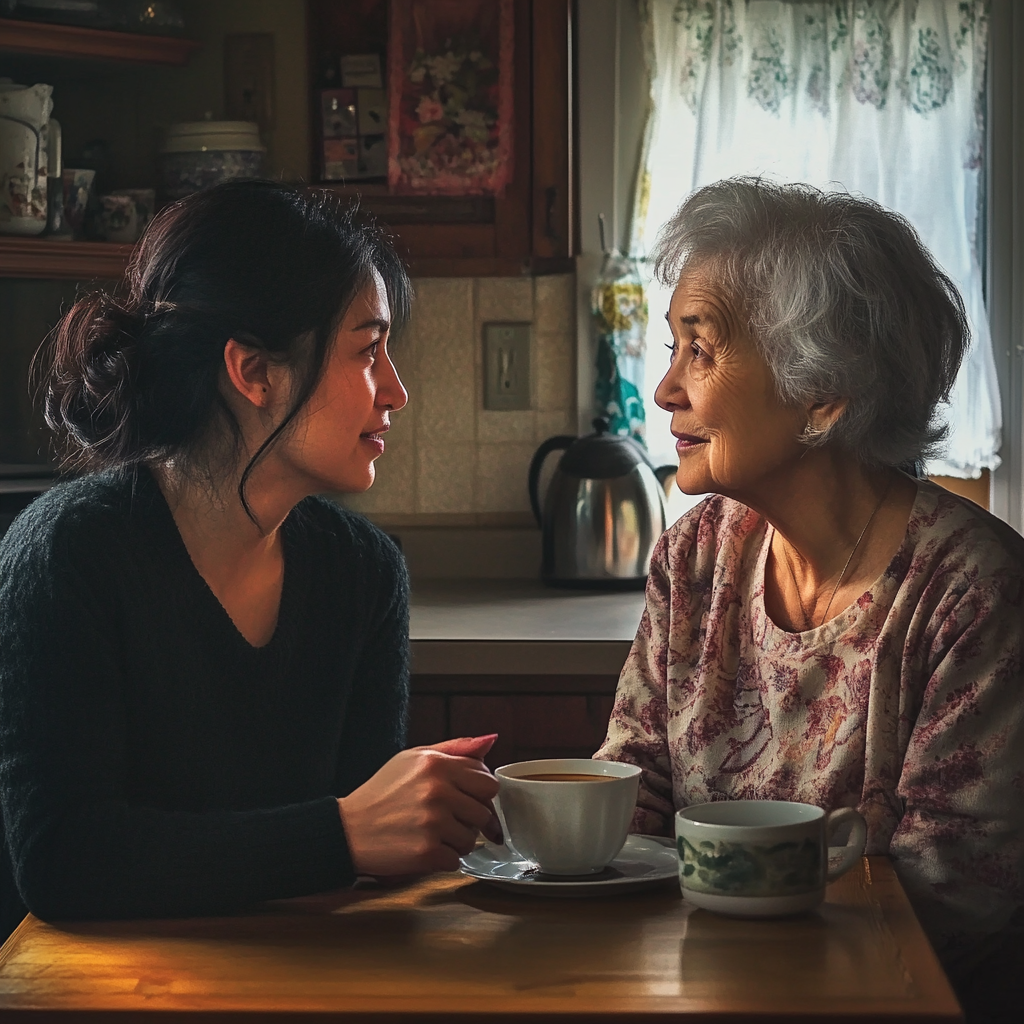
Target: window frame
609,40
1004,249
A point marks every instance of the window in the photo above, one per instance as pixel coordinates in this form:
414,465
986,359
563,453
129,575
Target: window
882,99
819,92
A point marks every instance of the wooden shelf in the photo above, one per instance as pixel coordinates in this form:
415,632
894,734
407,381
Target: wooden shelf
47,258
46,40
86,261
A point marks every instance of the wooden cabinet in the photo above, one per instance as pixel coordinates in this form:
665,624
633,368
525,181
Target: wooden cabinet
531,227
553,193
535,716
60,258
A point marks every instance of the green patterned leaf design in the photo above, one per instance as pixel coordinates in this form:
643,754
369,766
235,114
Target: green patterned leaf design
749,869
831,48
930,80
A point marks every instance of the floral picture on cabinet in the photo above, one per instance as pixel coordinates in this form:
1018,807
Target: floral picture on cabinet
450,118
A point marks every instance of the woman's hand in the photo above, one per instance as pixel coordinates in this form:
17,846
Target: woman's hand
422,810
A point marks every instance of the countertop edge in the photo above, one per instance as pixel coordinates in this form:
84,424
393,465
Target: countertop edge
518,657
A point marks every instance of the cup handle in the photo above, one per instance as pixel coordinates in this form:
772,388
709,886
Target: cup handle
496,803
853,851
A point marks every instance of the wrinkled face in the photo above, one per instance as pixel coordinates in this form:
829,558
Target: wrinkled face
341,429
731,429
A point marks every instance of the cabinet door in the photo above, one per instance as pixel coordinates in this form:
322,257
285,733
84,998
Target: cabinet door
553,131
527,229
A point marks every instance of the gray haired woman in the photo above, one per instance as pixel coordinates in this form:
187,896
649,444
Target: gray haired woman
827,628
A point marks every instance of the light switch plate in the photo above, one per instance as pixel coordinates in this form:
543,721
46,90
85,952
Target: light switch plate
506,366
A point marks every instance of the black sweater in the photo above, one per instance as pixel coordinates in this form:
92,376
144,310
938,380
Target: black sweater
152,762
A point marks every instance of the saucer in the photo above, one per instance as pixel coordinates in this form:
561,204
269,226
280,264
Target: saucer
642,862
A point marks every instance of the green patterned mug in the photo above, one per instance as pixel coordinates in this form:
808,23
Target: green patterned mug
763,858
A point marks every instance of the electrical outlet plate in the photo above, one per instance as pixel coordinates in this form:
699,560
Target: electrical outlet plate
506,366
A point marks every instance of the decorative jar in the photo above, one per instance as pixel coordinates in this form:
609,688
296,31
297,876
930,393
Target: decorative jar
197,154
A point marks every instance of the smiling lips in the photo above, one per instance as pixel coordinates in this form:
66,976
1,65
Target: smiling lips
686,442
376,437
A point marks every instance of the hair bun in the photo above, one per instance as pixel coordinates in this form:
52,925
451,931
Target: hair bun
88,400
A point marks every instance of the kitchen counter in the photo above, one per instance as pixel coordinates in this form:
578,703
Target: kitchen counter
535,664
519,627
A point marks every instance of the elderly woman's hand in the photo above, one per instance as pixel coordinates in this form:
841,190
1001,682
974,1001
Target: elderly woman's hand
422,810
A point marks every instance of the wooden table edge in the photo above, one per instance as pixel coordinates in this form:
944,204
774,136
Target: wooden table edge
442,1016
877,873
26,923
920,958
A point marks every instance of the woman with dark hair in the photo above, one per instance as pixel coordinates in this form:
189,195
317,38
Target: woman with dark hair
203,666
826,628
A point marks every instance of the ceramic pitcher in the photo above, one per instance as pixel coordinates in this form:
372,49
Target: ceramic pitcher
24,132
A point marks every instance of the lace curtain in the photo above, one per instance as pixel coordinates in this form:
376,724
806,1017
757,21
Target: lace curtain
879,97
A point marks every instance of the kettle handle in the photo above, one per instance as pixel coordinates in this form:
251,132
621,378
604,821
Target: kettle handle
552,444
667,477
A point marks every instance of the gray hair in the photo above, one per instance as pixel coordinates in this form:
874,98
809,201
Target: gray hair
841,299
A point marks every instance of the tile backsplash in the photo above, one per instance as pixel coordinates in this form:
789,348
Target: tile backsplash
449,460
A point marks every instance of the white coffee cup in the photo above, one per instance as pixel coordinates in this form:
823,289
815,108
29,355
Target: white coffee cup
568,827
763,858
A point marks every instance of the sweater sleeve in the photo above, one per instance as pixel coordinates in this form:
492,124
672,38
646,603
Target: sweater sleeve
376,715
638,727
79,846
959,849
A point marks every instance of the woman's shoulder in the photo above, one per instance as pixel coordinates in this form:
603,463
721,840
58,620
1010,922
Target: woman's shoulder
343,533
70,545
708,526
954,533
79,515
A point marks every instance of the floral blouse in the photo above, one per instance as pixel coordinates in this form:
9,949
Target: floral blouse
909,705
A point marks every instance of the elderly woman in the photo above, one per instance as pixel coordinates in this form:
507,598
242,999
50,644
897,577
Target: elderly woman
826,628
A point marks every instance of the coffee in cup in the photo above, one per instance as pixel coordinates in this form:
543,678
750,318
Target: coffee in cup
565,777
763,858
569,816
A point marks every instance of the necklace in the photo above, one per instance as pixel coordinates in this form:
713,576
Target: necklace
842,575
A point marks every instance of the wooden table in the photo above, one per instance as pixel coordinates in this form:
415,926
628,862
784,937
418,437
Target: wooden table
450,949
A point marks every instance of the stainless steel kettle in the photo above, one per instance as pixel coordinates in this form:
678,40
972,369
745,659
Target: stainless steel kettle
603,513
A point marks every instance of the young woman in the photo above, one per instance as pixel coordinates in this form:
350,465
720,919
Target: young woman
203,666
